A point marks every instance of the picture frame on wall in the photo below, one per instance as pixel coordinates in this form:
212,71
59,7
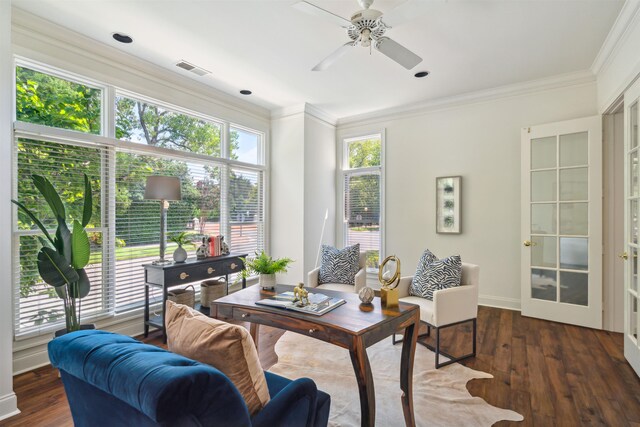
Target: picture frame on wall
448,205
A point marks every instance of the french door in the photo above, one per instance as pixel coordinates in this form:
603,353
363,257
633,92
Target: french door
561,253
632,212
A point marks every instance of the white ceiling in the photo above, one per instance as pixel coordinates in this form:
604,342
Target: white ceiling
269,47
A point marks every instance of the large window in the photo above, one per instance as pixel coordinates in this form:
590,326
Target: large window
220,166
363,205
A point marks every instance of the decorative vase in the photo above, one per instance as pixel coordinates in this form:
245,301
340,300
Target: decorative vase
366,295
180,255
267,281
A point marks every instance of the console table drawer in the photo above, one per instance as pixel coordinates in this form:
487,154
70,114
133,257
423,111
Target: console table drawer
284,322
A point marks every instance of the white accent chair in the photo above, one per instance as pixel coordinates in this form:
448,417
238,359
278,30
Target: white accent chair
360,281
449,307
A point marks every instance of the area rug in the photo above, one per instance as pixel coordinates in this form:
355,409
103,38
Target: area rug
440,396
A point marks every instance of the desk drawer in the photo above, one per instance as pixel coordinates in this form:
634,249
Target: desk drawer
275,320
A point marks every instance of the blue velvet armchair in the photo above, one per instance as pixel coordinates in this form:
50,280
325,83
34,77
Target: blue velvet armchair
114,380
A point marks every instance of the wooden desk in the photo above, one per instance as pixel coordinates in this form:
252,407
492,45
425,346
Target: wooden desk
353,326
166,276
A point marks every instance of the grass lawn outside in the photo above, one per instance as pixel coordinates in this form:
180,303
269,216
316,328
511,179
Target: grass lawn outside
134,252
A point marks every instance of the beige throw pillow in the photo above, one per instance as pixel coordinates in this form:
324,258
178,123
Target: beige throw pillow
229,348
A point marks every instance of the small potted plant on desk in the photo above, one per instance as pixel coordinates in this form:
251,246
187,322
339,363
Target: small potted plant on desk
63,257
266,267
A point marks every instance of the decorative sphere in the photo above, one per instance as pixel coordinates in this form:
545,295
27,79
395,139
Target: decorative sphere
366,295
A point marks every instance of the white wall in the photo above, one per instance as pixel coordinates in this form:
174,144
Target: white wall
286,194
8,403
319,187
481,142
303,162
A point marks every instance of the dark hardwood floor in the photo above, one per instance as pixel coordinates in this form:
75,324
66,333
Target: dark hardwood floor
553,374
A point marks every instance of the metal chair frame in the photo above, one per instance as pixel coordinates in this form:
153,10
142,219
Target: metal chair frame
437,350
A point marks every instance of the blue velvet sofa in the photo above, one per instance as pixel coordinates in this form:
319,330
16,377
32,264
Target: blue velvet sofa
114,380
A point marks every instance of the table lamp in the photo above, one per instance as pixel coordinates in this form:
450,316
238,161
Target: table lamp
164,189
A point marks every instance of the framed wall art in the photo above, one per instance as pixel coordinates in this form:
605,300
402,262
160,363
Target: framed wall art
448,206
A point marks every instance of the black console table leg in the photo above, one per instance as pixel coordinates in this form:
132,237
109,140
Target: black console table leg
146,311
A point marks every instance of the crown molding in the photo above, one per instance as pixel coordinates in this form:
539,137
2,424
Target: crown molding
34,27
619,32
306,108
532,86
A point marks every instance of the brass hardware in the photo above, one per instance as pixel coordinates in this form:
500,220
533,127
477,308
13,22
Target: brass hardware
233,265
624,256
244,315
529,243
311,331
210,270
183,276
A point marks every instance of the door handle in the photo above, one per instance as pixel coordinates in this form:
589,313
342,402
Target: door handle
529,243
624,256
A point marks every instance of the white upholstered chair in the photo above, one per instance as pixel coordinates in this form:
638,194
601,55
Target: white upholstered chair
449,307
360,281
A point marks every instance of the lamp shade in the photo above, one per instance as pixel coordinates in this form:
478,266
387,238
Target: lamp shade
162,188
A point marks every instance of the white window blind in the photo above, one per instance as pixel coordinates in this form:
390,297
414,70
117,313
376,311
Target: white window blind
246,211
362,214
138,220
363,204
36,303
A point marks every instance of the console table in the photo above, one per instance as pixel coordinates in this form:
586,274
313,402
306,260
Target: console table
166,276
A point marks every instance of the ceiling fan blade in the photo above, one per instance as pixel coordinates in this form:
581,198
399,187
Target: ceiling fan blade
408,10
326,62
311,9
397,52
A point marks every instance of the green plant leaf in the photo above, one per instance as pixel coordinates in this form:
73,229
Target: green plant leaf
80,247
54,268
62,242
81,288
35,220
87,210
45,243
50,195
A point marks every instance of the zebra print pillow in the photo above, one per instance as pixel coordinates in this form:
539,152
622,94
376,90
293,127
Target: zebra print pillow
339,265
433,274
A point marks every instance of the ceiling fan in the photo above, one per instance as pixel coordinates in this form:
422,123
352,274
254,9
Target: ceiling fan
367,28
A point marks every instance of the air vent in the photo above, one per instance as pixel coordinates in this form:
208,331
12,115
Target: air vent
192,68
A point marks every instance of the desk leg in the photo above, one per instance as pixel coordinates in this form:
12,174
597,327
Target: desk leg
254,330
409,341
244,282
362,370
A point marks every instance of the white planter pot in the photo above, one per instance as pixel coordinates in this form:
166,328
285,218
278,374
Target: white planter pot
180,255
267,280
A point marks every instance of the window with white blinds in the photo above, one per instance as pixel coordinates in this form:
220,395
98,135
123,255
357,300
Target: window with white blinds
362,202
138,220
220,166
36,303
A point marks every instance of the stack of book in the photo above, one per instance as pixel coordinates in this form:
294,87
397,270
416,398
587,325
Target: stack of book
319,304
215,246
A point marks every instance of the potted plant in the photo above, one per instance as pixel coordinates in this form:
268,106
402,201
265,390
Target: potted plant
181,239
62,257
266,267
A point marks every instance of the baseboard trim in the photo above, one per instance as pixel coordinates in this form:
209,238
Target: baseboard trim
8,406
499,302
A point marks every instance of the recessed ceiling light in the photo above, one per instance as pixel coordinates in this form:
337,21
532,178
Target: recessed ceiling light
122,38
421,74
245,92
